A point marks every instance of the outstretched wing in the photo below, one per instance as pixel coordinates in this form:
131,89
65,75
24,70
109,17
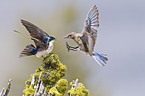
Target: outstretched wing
40,45
92,23
92,20
34,31
90,27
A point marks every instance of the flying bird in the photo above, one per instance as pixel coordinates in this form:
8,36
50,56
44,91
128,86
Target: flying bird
43,42
87,38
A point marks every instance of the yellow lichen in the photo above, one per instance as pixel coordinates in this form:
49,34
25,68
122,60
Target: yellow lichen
52,70
54,92
29,91
62,85
78,90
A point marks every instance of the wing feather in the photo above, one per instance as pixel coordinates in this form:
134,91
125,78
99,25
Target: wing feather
90,28
34,30
36,33
92,20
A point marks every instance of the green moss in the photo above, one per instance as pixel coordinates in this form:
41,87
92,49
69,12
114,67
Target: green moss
54,92
28,82
78,90
29,91
52,70
62,85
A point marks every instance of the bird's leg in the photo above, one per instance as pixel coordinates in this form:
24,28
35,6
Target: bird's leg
44,57
71,48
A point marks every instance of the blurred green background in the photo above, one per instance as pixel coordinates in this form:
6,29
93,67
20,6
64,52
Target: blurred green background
121,35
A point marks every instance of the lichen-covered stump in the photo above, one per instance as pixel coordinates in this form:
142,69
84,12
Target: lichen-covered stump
78,89
47,81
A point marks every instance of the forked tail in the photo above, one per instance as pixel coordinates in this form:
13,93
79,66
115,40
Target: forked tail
28,51
100,58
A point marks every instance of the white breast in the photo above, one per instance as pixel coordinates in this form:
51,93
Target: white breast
49,49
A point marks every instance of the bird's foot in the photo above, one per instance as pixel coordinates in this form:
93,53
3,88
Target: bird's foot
44,57
71,48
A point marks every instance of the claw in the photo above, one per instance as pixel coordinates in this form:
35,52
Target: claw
71,48
68,47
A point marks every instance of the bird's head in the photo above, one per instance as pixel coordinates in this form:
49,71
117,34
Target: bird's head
70,35
49,39
52,38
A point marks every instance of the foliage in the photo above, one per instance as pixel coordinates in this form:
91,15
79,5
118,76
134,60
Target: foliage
47,79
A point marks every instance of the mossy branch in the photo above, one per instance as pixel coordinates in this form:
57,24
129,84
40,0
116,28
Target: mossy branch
48,81
48,78
77,89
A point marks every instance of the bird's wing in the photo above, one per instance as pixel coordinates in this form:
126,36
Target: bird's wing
91,24
34,30
37,41
88,43
40,45
84,40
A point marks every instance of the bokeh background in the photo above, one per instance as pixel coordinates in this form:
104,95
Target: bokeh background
121,35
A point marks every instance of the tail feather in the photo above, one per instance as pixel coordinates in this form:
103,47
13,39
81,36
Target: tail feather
28,51
100,58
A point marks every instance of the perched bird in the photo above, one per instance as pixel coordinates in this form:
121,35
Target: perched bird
43,42
87,38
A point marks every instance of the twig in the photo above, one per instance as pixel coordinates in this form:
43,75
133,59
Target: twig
5,91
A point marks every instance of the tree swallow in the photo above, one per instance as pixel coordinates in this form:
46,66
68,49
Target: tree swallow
87,38
43,42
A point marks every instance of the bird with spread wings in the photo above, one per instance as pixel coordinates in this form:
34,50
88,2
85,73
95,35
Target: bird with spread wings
87,38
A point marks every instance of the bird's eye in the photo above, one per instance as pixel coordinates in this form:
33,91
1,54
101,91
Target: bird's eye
46,40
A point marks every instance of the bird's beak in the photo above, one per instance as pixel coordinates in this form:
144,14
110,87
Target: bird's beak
52,38
65,37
